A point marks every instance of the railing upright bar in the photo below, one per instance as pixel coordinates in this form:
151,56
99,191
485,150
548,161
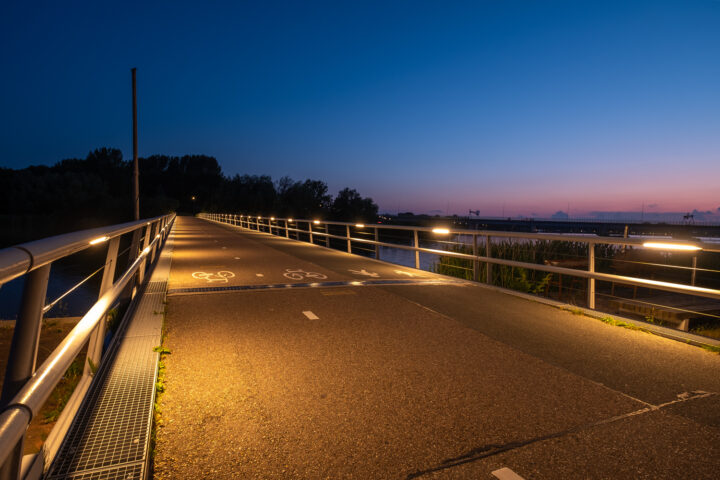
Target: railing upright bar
476,262
287,232
155,233
591,281
488,265
347,233
310,230
98,336
377,247
141,270
327,235
22,359
417,252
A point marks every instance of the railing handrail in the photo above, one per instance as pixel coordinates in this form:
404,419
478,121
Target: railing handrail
29,396
590,274
20,259
629,241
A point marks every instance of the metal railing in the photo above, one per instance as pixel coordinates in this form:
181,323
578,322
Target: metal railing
26,389
320,228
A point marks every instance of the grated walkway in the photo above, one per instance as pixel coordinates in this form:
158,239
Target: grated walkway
110,437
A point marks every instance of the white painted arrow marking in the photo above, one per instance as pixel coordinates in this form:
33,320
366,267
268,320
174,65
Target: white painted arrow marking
364,272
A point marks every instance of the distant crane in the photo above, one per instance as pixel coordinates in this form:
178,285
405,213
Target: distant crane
689,218
474,212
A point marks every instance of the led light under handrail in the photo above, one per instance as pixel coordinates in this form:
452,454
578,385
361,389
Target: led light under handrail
316,222
441,231
359,225
672,246
99,240
290,220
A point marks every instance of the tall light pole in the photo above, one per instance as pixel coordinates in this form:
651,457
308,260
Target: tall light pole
136,172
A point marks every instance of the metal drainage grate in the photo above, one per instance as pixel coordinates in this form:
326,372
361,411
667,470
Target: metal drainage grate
110,435
126,472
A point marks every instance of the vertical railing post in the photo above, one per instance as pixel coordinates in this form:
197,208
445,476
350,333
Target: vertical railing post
591,281
417,252
327,235
694,271
488,265
287,231
141,270
155,232
95,345
377,247
22,358
349,244
476,262
310,231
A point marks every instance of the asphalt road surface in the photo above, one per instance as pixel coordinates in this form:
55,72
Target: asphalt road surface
295,361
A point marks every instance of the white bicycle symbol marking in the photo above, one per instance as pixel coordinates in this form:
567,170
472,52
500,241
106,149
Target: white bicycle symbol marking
221,277
300,274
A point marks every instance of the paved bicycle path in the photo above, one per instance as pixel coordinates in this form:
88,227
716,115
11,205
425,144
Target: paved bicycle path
388,382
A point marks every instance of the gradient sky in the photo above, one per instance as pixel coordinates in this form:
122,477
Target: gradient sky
521,108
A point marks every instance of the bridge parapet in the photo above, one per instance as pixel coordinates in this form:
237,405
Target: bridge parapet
25,387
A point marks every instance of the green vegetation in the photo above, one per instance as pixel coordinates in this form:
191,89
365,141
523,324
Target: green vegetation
619,323
163,351
60,396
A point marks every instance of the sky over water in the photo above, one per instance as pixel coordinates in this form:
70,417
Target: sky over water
512,108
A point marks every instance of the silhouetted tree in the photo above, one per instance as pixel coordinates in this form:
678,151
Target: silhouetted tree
349,206
39,201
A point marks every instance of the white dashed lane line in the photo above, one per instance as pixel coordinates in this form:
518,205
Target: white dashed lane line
310,315
259,275
506,474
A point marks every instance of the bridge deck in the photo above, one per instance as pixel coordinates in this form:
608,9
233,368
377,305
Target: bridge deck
337,379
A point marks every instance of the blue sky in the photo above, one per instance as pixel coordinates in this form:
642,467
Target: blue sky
508,107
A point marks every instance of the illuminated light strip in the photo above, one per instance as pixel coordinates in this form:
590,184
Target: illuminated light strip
359,225
442,231
99,240
672,246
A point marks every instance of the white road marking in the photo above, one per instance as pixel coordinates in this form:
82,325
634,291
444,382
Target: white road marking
310,315
220,277
300,274
506,474
364,272
259,275
400,272
237,258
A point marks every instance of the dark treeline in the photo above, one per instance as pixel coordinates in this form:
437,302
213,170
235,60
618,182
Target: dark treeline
73,194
